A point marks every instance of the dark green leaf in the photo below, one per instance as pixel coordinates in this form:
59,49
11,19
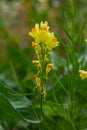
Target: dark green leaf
17,105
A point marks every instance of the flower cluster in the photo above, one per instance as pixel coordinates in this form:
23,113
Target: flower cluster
83,74
44,42
41,34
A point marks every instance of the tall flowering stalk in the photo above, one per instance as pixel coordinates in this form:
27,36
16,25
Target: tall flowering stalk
44,42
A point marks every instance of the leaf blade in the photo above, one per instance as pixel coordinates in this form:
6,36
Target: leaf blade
14,103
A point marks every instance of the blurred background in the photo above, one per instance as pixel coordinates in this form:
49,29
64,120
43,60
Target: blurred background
17,17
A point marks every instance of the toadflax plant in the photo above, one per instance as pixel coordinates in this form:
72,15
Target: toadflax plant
44,42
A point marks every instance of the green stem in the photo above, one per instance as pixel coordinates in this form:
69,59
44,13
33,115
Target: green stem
42,89
41,115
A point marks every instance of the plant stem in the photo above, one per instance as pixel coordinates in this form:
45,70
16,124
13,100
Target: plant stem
42,89
41,115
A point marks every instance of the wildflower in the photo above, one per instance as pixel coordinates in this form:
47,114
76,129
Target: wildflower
52,42
48,68
41,34
44,42
83,74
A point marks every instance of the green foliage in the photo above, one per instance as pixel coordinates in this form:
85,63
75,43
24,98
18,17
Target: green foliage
16,105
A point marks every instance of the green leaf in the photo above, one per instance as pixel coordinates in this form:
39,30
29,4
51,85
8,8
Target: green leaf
16,105
56,109
61,110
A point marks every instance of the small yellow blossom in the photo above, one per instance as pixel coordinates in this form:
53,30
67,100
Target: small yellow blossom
83,74
34,44
35,62
49,67
52,42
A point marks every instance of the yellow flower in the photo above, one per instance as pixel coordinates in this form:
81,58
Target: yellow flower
44,42
48,68
52,42
42,35
34,44
83,74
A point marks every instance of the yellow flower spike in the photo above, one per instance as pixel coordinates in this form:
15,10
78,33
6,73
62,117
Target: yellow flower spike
36,62
44,42
83,74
